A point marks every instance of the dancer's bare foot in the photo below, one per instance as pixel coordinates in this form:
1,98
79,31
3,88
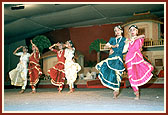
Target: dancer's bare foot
22,91
59,91
115,93
136,98
71,91
34,91
137,95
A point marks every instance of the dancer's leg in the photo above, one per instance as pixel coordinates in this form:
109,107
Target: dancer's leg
136,92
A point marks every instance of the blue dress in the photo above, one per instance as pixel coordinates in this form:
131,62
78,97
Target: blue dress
111,69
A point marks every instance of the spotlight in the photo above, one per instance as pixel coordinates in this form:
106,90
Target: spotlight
17,7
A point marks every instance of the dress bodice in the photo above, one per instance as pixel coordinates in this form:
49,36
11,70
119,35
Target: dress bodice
24,58
69,53
60,55
118,50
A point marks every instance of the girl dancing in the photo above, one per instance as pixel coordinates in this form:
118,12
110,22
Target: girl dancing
71,68
57,72
34,67
111,69
139,71
18,75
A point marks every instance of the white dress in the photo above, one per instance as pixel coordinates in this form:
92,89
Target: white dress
18,75
71,68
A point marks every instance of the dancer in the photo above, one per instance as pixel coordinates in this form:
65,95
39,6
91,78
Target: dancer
57,72
34,67
111,69
18,75
139,71
71,68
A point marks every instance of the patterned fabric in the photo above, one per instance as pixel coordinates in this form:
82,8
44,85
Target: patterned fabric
111,69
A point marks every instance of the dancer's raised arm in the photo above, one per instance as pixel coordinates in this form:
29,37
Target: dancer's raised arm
51,47
34,45
17,49
140,36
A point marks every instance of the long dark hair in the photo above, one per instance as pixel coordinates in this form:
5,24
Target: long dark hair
133,26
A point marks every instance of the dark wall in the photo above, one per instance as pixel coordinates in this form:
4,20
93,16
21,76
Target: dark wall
82,37
58,35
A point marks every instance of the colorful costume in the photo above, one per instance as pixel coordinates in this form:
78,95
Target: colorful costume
57,72
34,68
71,68
139,71
111,69
18,75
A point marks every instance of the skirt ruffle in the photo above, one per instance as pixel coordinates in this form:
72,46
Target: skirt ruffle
71,70
139,70
57,74
16,78
34,73
110,71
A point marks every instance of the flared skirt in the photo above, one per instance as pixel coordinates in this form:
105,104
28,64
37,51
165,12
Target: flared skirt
110,71
139,70
57,74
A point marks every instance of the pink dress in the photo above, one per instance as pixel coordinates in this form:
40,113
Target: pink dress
139,71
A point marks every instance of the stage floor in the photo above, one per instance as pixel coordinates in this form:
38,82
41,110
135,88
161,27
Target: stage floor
85,100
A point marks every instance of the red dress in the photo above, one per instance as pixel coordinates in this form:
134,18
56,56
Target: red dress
34,68
57,72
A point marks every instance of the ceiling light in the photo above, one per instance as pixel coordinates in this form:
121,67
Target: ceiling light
18,7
